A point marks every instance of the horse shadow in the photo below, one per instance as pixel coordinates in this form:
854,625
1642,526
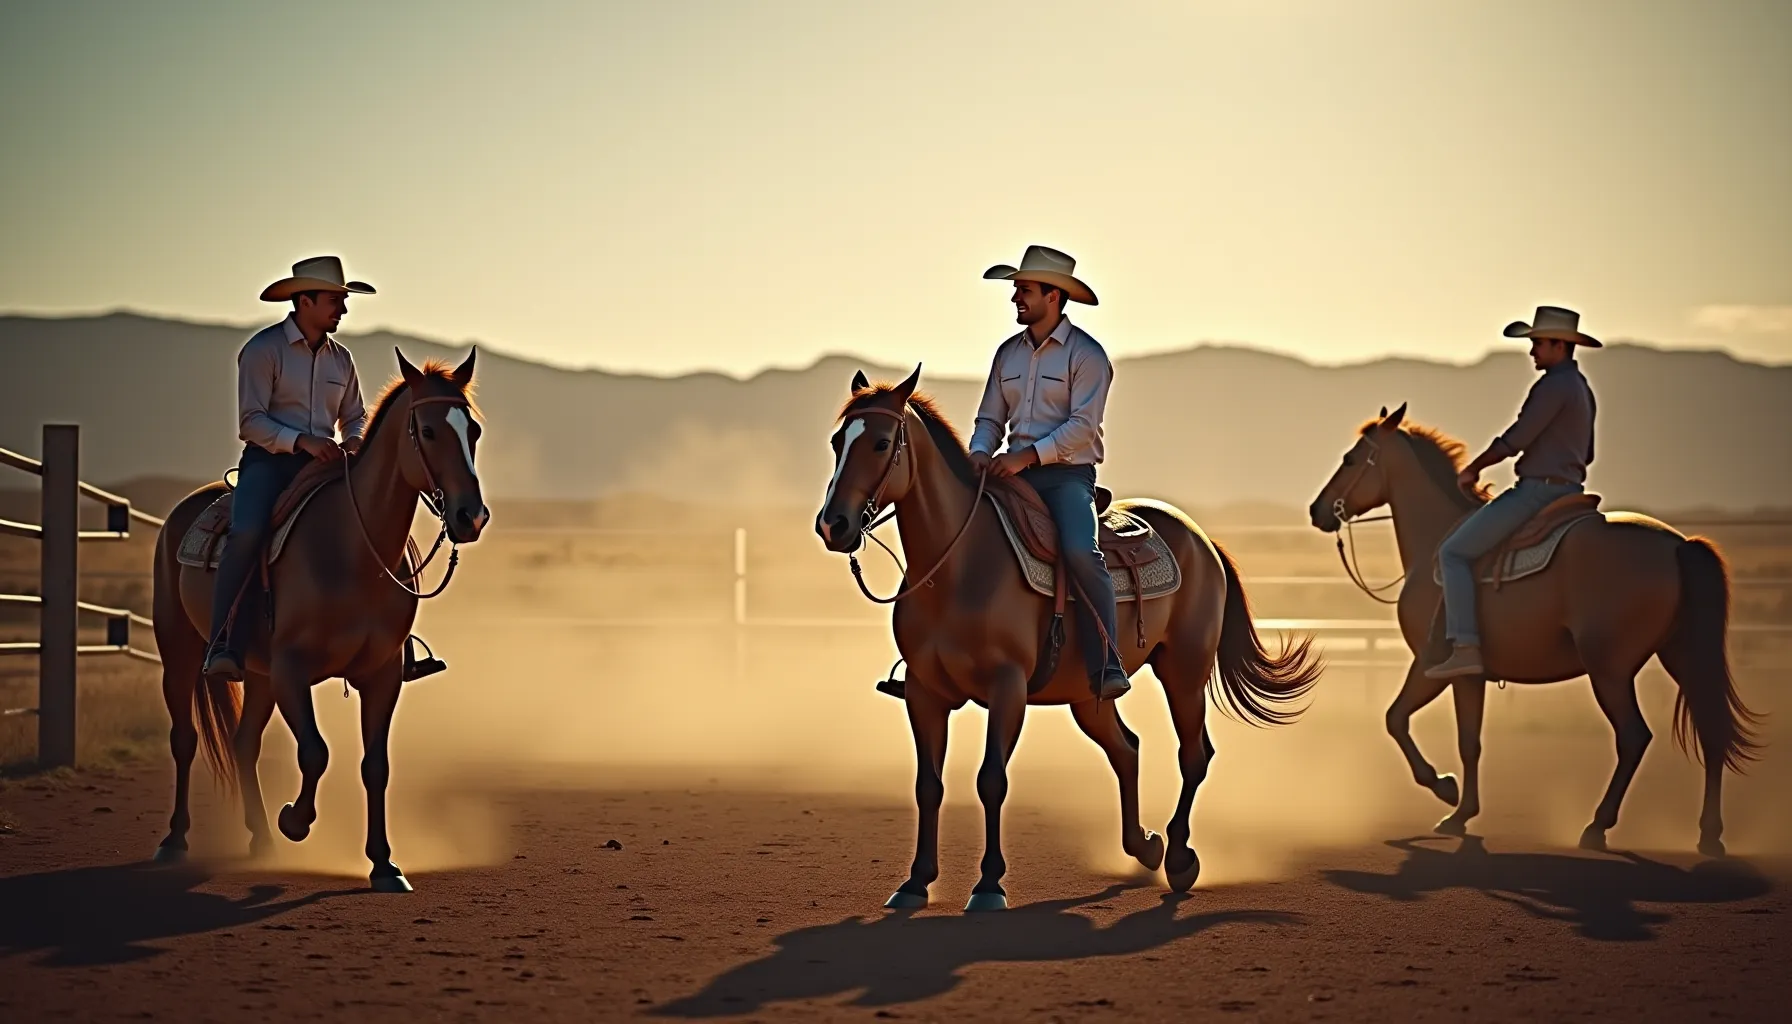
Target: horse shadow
901,958
1598,896
105,915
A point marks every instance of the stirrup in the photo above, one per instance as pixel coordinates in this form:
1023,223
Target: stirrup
892,686
415,669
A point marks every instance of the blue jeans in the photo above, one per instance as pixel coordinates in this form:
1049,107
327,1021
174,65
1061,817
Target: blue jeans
262,476
1480,533
1069,491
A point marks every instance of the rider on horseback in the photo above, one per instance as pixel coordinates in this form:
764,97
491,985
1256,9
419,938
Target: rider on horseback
1554,433
1046,393
295,386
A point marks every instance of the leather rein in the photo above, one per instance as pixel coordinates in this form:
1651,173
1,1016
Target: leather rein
869,520
435,501
1352,565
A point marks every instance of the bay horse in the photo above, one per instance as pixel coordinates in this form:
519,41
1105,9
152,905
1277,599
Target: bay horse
973,633
339,611
1617,591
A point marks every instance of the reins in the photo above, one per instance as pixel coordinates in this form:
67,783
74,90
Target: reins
435,501
1352,565
869,519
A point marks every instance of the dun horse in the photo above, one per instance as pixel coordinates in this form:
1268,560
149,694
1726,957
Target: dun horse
338,611
1617,591
973,633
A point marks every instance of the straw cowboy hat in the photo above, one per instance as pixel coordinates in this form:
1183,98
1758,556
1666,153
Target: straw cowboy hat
317,274
1555,323
1045,266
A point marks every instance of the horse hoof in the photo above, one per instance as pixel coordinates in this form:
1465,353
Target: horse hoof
903,900
1153,857
290,825
1447,790
393,881
1184,880
1452,826
1593,839
984,902
171,854
1711,847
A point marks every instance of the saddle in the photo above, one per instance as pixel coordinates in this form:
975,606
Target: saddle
202,546
1530,548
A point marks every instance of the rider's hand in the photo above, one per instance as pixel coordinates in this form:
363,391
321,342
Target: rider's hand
1013,462
980,461
351,445
323,449
1468,479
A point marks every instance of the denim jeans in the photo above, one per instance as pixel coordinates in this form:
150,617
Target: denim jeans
261,478
1069,491
1480,533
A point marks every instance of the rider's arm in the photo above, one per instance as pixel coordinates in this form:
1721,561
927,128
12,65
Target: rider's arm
992,412
1091,374
256,366
352,414
1540,407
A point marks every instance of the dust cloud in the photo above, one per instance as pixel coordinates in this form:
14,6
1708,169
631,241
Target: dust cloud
608,657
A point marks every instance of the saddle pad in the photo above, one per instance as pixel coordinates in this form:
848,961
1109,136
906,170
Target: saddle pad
1517,563
202,547
1161,576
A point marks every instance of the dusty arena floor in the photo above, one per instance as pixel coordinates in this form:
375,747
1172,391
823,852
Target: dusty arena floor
734,903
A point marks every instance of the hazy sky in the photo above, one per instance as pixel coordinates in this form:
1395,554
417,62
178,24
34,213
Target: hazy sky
676,185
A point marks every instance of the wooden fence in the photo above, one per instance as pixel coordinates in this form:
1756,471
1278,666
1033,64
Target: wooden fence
59,606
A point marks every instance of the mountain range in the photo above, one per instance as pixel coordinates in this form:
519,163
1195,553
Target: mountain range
1205,426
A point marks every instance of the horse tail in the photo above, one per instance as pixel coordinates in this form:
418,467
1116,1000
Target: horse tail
219,706
1256,686
1707,706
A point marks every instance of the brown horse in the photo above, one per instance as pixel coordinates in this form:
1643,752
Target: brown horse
338,611
1615,593
973,633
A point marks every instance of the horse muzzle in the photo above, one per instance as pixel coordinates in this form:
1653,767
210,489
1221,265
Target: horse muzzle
467,522
837,532
1323,518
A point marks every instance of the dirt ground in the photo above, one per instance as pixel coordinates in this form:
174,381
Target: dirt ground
729,902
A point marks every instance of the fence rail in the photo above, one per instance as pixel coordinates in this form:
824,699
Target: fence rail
59,535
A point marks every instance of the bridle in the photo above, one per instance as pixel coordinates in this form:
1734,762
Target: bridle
435,500
1346,522
869,520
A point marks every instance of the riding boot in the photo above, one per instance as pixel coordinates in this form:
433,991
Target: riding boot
224,657
1437,645
1107,675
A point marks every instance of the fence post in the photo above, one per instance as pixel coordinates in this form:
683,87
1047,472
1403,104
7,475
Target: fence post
59,570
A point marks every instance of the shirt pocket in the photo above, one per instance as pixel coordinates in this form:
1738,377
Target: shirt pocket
330,390
1014,387
1053,396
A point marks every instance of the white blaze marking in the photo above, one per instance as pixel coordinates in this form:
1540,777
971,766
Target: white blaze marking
457,418
853,431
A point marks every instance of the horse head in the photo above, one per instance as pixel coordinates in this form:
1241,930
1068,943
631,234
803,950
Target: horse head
444,436
870,471
1360,483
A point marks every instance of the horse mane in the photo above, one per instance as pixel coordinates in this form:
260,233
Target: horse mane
945,436
436,369
1440,456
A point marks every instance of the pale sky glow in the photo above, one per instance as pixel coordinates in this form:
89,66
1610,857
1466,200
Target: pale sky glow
675,185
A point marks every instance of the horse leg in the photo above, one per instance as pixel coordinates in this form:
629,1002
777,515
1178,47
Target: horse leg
1417,692
1184,680
1100,721
1616,693
927,719
258,707
181,657
292,692
1007,711
1680,664
1471,702
379,698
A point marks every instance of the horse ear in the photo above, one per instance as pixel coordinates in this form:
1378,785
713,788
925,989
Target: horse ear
1384,413
906,389
1391,422
859,383
412,375
463,374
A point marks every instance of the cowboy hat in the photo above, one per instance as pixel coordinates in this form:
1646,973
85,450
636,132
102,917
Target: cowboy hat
317,274
1045,266
1553,322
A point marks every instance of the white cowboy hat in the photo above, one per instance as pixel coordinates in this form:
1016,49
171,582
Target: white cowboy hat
1045,266
317,274
1555,323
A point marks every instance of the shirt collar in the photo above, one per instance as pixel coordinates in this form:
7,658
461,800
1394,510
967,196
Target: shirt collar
1060,334
294,336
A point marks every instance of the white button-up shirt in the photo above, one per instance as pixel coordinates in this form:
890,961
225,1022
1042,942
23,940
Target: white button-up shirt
285,388
1051,397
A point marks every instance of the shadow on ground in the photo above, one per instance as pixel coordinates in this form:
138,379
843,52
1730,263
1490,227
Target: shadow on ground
1598,895
103,915
900,958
